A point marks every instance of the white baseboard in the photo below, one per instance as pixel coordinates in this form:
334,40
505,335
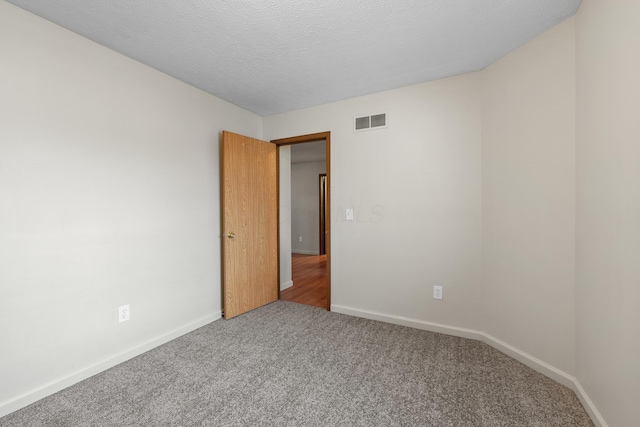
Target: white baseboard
589,406
303,252
525,358
531,361
31,396
412,323
286,285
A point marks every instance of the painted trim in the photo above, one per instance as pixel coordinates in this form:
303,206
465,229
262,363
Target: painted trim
303,252
519,355
412,323
286,285
47,389
589,406
531,361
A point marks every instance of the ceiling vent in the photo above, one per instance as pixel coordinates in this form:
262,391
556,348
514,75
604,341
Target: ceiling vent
376,121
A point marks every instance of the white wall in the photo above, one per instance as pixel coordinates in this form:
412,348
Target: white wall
608,207
415,187
109,195
286,272
305,206
528,197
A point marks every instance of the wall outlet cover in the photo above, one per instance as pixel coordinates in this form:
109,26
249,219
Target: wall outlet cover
437,292
349,214
123,313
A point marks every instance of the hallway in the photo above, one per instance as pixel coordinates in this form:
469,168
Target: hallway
309,281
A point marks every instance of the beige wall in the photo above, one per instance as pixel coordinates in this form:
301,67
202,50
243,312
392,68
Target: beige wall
528,197
415,189
305,206
608,207
108,196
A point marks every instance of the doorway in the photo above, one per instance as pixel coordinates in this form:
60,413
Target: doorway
322,214
311,270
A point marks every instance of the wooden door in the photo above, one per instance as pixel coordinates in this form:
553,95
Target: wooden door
249,223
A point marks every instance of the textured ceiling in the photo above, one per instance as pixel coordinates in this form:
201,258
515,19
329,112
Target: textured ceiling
273,56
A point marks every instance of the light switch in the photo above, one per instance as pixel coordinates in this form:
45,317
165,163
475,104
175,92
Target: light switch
349,214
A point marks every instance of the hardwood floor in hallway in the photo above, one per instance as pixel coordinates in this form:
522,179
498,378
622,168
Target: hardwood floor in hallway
309,281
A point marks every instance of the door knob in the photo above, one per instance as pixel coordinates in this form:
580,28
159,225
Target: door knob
231,235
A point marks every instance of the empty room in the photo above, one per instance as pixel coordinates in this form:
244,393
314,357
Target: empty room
481,230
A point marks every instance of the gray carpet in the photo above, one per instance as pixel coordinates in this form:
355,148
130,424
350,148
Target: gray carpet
292,365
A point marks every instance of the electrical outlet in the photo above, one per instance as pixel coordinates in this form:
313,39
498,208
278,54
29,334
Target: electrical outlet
123,313
437,292
299,238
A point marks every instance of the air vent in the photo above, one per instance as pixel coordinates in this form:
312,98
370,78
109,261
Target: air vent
375,121
363,123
